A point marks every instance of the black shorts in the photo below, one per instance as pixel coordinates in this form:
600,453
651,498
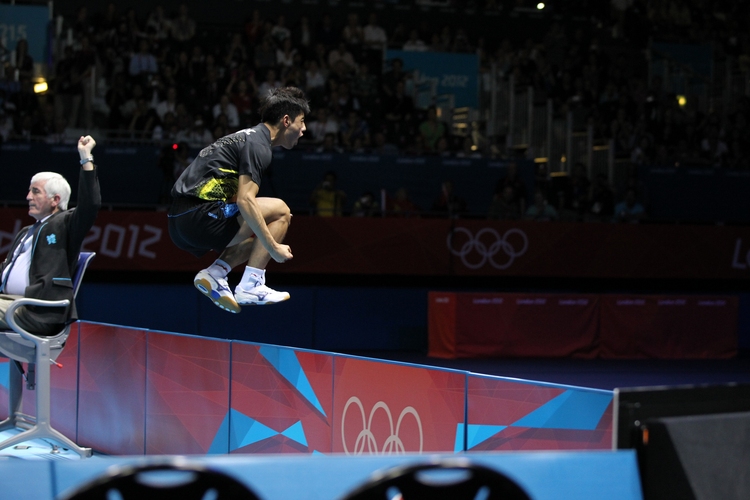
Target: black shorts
198,226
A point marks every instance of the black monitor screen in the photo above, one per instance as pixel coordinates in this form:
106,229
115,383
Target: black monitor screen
635,405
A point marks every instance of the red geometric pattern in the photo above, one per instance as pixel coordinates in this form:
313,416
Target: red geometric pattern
187,395
494,402
112,383
261,393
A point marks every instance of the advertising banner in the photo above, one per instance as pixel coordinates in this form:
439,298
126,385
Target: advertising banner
25,22
446,73
139,241
471,325
669,327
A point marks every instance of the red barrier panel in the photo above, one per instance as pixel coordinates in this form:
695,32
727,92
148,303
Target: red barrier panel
187,395
383,408
675,327
112,389
469,325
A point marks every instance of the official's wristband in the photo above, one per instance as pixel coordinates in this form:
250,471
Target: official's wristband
86,160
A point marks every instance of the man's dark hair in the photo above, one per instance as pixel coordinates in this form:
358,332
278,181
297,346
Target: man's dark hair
284,101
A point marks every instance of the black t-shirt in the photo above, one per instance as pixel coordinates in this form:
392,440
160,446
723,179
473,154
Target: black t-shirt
214,174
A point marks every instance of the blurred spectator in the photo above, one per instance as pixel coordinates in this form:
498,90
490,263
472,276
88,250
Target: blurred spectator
254,28
342,53
183,26
228,109
60,133
197,136
285,54
393,77
143,120
365,88
382,146
513,179
414,43
504,206
157,24
169,104
374,35
166,130
280,32
25,102
329,145
540,210
326,33
602,206
580,189
399,110
264,56
468,149
353,34
447,202
322,125
326,199
629,210
303,36
236,53
68,88
366,206
24,61
354,129
270,83
432,129
442,148
401,205
85,60
143,62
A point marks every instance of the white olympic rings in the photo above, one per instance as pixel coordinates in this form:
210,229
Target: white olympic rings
488,253
366,439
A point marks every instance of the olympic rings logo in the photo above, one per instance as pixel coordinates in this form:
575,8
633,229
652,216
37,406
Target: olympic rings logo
488,253
366,441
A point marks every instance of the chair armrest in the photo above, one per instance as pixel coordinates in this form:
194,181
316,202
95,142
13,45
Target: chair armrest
10,317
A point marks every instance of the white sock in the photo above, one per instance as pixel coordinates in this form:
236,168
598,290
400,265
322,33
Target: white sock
251,276
219,269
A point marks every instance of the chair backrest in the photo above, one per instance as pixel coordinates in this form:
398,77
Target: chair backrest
84,258
170,480
446,479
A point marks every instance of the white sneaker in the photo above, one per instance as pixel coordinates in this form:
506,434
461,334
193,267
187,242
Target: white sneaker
260,294
217,290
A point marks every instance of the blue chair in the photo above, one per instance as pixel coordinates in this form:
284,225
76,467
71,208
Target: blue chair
440,479
165,479
39,352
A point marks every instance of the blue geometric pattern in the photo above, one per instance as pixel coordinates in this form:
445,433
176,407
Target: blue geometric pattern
4,366
458,445
286,363
219,444
479,433
246,431
579,410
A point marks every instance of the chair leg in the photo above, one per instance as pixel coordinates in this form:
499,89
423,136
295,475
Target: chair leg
15,396
43,427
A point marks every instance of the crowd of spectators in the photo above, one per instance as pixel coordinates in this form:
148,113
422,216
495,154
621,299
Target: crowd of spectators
152,76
